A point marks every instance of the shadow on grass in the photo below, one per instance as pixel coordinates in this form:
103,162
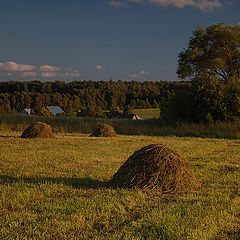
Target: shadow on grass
228,234
87,183
9,136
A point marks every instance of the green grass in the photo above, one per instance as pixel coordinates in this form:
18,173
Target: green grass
148,113
150,127
56,189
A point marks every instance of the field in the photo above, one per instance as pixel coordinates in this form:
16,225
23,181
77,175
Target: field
56,189
149,127
148,113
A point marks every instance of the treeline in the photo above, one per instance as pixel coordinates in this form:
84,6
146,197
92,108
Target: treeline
92,97
199,100
205,100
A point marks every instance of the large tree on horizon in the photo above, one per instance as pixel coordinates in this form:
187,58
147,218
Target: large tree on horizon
212,52
212,61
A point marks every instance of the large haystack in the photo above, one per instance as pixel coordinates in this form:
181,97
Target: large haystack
104,130
38,130
156,166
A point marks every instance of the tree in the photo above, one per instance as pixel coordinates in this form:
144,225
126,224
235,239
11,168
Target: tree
232,99
212,62
180,104
209,100
212,52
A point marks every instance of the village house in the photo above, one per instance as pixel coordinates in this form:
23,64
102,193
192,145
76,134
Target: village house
55,110
26,112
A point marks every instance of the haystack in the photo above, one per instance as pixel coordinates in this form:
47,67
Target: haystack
104,130
156,166
38,130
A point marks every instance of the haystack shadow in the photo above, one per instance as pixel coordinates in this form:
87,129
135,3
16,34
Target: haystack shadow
9,136
86,183
231,234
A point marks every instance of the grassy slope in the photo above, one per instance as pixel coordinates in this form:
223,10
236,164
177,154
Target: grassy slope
51,189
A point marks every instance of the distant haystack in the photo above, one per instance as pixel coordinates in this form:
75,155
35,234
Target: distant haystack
104,130
155,166
38,130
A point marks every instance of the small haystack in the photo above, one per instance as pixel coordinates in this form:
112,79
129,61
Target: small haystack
156,166
38,130
104,130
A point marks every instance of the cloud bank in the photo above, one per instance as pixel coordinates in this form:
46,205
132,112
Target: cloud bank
203,5
13,69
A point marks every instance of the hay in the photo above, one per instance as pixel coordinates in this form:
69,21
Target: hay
38,130
155,166
104,130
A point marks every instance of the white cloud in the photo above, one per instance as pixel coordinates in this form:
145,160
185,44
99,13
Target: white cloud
15,67
16,70
29,74
139,74
203,5
142,72
49,68
200,4
51,74
72,74
99,67
208,5
117,4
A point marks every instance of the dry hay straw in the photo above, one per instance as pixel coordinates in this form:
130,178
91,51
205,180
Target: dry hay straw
156,166
38,130
104,130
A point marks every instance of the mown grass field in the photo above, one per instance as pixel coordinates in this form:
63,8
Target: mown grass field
56,189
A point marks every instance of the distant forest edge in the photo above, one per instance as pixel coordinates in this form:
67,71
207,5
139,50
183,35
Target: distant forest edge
178,101
91,98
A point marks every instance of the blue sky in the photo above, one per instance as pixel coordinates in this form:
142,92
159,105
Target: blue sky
95,39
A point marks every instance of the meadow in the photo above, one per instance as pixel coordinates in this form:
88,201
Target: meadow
147,113
57,189
148,127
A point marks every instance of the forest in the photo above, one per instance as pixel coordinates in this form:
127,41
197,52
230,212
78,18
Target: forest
93,97
200,100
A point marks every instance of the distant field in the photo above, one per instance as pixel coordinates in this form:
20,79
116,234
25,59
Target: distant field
56,189
149,127
148,113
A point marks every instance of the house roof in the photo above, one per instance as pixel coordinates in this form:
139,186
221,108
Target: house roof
27,110
132,116
55,110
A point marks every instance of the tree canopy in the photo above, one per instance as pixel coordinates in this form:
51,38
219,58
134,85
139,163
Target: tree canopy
212,62
212,52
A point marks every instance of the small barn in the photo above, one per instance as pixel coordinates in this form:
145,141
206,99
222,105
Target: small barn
55,110
131,116
26,112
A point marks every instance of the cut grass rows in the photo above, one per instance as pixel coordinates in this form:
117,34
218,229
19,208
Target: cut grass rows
56,189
